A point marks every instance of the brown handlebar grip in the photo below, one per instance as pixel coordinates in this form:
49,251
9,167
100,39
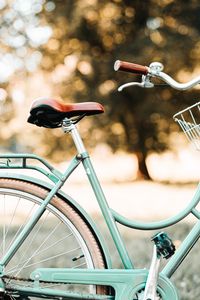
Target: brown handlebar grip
130,67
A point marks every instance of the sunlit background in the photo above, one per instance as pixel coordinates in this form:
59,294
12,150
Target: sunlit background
66,50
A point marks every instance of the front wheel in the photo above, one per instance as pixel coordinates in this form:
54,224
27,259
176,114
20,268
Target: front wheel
60,239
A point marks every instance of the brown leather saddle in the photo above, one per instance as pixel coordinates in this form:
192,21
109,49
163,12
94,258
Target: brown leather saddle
50,113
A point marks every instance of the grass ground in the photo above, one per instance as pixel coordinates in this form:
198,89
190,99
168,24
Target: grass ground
150,201
147,201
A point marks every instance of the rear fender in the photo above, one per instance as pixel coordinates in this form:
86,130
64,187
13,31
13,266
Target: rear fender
73,203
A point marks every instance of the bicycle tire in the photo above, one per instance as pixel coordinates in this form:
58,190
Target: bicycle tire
23,197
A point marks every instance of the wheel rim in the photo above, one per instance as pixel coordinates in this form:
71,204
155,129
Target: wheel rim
16,207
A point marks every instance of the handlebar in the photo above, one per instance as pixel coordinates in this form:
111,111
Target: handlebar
154,70
130,67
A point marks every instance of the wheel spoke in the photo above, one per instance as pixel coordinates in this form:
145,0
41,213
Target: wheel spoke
22,224
54,242
27,249
26,265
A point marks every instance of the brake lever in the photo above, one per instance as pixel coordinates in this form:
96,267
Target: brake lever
123,86
146,83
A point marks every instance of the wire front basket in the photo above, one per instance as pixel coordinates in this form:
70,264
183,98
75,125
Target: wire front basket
188,119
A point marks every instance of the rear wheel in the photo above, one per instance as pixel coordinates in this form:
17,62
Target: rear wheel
61,238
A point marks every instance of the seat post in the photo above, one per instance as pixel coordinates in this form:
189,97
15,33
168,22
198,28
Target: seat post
69,127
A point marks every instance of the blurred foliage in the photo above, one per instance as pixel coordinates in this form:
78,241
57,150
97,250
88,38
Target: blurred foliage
84,38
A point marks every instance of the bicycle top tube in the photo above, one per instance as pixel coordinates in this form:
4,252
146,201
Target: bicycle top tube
154,70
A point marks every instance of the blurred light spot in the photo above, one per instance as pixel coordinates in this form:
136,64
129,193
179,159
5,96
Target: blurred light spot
46,62
21,52
18,24
154,23
182,29
166,95
33,61
37,8
60,73
5,72
108,41
2,4
109,11
129,12
3,95
28,7
70,62
91,2
196,50
185,75
8,64
155,117
107,86
119,38
162,136
91,16
156,38
53,44
39,35
9,16
165,2
117,128
170,22
50,6
79,85
74,44
18,96
16,41
85,67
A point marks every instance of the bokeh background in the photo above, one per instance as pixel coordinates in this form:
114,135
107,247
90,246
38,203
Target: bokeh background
66,50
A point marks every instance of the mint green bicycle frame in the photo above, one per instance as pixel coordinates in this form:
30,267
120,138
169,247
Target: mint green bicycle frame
127,281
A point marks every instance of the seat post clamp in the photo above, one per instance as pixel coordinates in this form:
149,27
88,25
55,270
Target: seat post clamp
67,125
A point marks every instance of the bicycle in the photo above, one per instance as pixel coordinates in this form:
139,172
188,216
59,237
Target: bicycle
69,236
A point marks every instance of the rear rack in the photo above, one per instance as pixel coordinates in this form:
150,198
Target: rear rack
24,161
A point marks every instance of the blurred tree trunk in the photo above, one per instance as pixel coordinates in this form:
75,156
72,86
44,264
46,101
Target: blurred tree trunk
138,148
142,172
